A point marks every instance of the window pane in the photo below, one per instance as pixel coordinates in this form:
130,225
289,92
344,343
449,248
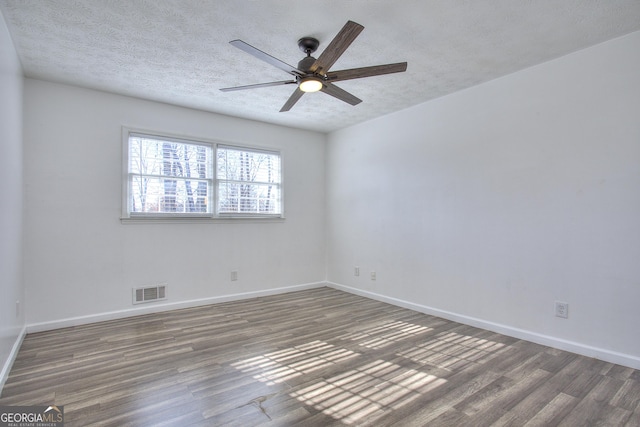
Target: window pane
151,194
248,198
254,166
157,157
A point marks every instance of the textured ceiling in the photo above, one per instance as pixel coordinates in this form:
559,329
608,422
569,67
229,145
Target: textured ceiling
177,51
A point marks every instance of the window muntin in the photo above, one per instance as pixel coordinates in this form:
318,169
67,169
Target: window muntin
169,177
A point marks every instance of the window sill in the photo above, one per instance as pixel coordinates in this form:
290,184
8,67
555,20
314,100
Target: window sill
200,220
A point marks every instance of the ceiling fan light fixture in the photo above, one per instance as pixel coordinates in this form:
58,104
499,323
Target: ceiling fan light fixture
310,84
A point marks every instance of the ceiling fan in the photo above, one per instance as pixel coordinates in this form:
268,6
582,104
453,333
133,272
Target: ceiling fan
313,75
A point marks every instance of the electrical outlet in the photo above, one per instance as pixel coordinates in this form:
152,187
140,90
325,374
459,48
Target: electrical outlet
373,275
18,308
562,309
356,271
234,275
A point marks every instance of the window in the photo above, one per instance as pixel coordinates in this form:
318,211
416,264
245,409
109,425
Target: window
169,176
172,177
248,181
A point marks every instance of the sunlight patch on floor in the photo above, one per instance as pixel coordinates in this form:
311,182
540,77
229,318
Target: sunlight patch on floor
387,334
368,392
282,365
452,351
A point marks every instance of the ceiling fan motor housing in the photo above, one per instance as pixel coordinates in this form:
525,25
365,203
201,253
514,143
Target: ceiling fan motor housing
306,63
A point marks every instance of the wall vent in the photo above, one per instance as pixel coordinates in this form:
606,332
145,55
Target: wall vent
149,294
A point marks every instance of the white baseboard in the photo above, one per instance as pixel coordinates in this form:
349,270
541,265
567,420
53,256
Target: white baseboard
6,368
561,344
160,307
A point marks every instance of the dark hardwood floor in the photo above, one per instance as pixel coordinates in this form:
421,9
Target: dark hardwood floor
314,358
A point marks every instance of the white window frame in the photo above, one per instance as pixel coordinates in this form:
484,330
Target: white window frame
213,194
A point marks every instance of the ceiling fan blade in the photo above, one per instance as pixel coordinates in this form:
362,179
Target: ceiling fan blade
375,70
266,57
338,45
295,96
285,82
341,94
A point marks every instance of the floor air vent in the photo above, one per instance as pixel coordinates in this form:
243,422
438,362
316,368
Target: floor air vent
149,294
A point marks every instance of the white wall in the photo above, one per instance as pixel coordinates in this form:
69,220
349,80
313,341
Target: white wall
11,285
80,260
490,204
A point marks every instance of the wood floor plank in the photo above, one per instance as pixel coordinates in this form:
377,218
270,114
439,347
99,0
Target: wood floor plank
628,396
318,357
552,413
